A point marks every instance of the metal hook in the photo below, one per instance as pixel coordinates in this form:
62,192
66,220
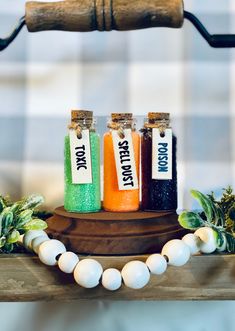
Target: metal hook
214,40
6,41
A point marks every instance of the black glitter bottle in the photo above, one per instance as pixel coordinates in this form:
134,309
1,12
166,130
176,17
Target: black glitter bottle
158,194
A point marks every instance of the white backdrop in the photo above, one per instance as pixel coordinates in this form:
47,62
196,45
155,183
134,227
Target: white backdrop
44,75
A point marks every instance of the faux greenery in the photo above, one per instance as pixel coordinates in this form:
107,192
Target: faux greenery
217,214
16,218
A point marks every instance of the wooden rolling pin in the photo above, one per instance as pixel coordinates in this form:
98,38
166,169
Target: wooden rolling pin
103,15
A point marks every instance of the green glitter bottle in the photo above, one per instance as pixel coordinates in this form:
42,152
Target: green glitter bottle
85,197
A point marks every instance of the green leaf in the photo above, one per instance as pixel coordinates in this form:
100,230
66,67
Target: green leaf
15,207
35,224
2,241
205,203
23,218
0,224
231,213
190,220
7,220
220,237
13,237
32,201
221,217
2,204
7,201
230,243
8,248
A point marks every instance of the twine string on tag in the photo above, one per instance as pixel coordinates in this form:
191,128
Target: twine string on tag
119,127
77,127
162,125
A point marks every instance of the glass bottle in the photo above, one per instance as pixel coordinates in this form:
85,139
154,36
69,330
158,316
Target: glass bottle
116,199
82,197
158,194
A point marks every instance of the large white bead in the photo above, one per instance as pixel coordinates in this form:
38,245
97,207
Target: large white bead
111,279
208,239
49,250
193,242
67,262
36,242
177,252
156,263
30,235
87,273
135,274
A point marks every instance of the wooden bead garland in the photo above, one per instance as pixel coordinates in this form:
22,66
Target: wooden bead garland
157,264
177,252
206,236
67,262
36,242
112,279
192,242
49,250
135,274
30,235
88,273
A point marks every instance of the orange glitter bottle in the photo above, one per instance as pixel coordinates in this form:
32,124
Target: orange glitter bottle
121,176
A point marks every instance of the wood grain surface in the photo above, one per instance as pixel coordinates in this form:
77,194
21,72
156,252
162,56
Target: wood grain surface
106,233
25,278
103,15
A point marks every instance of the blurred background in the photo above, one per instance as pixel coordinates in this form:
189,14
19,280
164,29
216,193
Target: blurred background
44,75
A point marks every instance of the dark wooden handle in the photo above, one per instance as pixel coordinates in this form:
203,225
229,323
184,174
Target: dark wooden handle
103,15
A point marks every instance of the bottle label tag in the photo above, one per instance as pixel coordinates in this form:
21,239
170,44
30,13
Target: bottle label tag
125,161
161,154
80,151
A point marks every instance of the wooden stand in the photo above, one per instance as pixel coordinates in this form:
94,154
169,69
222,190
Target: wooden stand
107,233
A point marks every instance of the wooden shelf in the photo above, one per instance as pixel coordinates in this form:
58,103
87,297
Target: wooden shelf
25,278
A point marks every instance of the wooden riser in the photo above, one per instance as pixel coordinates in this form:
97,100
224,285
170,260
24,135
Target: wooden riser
106,233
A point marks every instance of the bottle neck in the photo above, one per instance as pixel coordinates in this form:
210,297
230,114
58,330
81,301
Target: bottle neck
124,124
121,125
82,124
161,124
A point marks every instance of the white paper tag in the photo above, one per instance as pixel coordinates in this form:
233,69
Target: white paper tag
80,152
161,154
125,161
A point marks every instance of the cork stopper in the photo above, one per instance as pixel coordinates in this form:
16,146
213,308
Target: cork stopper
77,115
158,116
121,117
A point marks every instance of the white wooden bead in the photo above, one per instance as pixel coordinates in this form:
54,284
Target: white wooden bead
157,264
193,242
135,274
67,262
49,250
208,239
177,252
87,273
30,235
36,242
111,279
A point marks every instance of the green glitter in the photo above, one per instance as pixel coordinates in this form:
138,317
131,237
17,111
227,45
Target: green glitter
83,198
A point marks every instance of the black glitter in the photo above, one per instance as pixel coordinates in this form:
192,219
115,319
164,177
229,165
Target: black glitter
157,195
